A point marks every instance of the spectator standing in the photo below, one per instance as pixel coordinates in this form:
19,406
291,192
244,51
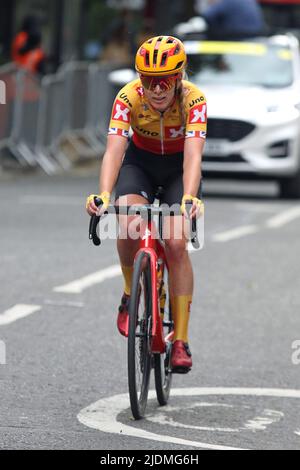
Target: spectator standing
27,52
234,17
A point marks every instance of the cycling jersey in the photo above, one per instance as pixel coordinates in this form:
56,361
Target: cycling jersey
153,131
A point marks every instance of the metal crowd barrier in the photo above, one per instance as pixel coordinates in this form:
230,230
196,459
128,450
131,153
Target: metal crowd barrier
56,121
51,118
8,112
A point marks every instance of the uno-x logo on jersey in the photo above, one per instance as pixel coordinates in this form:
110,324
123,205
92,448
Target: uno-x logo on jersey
174,132
140,91
198,114
121,112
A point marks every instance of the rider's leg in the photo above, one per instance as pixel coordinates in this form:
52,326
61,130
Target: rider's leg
127,245
181,278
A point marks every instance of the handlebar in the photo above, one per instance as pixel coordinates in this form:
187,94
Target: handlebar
146,212
194,236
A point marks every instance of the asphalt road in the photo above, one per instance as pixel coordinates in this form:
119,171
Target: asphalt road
64,358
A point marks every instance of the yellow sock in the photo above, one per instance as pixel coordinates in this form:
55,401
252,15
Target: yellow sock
127,274
181,308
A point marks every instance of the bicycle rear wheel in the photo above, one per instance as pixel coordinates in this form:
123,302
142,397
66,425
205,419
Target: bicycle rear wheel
139,338
162,362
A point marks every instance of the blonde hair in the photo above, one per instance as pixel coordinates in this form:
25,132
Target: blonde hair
182,103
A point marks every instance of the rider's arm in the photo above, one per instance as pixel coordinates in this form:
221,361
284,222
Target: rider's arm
112,162
196,127
117,137
117,141
193,149
192,176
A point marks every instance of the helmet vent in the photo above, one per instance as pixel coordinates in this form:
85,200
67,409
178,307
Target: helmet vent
177,50
147,59
170,41
164,59
155,57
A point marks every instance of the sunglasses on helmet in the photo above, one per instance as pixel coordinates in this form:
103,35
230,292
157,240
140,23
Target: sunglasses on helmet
165,83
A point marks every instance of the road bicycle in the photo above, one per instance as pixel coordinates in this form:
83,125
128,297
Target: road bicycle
151,329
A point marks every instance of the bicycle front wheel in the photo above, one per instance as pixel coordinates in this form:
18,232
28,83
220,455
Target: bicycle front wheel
139,337
162,362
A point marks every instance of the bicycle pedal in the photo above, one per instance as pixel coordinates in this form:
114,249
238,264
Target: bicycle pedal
180,370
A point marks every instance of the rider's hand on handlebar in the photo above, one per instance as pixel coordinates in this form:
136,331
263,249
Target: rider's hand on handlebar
197,209
91,207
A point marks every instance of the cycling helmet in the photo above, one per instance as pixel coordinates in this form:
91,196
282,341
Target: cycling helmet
162,55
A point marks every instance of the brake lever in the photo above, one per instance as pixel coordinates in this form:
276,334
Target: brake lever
94,222
193,221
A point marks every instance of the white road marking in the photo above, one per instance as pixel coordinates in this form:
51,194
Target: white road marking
78,286
284,218
297,433
235,233
103,414
260,423
162,418
17,312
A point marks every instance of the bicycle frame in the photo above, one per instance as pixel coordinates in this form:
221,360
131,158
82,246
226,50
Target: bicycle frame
155,249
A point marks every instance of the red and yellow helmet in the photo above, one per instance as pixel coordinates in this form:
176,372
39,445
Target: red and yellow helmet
162,55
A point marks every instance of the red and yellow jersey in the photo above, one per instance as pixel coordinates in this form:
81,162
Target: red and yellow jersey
161,133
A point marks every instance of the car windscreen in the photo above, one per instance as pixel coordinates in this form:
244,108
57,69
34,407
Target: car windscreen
239,63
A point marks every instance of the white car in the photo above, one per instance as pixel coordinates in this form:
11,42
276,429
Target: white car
253,94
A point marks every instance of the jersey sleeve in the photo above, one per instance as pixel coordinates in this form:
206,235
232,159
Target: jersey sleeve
196,111
122,112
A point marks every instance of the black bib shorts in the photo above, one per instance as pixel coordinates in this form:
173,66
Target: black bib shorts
143,172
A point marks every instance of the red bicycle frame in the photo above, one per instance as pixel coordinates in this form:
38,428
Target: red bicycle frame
153,246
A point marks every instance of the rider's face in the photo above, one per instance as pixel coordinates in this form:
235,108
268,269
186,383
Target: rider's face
160,99
160,91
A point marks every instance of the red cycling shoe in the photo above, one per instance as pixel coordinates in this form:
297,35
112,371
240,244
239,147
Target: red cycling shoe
123,316
181,358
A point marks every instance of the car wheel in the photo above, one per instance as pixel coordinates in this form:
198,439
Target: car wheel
290,187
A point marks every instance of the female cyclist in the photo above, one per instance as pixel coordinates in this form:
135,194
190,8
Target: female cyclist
168,117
